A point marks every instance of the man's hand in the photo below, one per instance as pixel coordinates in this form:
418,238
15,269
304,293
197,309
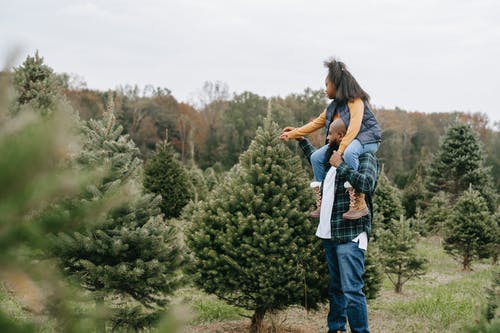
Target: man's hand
336,159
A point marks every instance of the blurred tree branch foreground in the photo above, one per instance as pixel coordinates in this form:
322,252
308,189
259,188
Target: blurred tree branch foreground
38,144
72,202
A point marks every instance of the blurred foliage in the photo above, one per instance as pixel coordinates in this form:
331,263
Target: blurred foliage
52,183
36,143
130,261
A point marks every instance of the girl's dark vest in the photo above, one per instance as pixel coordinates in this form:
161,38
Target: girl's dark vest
369,131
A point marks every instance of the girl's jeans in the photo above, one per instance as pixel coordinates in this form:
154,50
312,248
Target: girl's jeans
351,157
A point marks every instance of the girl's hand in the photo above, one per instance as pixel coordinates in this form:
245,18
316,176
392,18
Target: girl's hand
284,133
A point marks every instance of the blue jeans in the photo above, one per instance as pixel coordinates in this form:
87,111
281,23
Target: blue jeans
346,265
351,157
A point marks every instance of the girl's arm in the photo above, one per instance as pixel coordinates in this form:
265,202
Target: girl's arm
308,128
356,110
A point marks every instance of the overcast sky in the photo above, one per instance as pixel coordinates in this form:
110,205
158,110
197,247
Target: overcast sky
425,55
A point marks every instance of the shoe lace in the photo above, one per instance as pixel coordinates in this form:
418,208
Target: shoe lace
353,198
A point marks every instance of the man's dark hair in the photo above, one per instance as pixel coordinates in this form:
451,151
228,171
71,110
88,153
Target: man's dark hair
346,85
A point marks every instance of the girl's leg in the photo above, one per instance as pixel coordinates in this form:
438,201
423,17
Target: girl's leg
355,148
318,162
357,205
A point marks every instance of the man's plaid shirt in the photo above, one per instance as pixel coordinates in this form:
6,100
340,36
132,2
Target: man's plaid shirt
363,180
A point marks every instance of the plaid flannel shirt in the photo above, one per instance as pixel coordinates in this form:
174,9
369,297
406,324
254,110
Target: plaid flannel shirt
363,180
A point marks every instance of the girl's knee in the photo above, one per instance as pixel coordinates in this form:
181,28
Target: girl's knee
317,157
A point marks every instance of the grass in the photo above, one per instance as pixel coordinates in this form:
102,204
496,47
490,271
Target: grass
444,300
10,306
208,308
445,308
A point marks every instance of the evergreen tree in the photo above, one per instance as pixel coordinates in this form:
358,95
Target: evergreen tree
398,256
495,245
470,229
437,213
387,202
373,272
36,85
490,319
211,178
459,163
199,183
252,241
129,261
35,178
414,195
164,175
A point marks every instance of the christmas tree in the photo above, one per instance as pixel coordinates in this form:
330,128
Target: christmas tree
252,241
35,181
36,86
387,203
470,230
399,259
372,277
459,163
130,260
415,195
490,319
164,175
437,213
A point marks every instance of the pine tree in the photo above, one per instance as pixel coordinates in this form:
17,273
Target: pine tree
459,163
470,229
35,179
211,178
495,246
36,85
414,195
437,213
164,175
129,261
252,241
490,319
199,183
373,273
387,203
398,256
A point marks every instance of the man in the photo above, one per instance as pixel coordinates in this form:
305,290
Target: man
345,241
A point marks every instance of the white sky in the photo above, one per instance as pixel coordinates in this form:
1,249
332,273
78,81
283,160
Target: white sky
419,55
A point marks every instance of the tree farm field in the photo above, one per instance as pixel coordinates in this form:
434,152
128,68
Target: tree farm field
445,299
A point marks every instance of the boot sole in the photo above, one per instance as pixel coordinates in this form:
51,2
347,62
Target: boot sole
355,214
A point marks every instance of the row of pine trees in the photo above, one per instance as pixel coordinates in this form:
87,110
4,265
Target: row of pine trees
88,219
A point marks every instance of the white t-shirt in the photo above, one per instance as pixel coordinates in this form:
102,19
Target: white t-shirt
324,230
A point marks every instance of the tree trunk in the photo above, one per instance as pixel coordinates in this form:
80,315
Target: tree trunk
398,287
466,263
257,320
